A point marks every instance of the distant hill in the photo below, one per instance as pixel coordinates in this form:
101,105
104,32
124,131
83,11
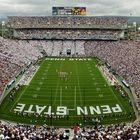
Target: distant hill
3,19
134,19
131,19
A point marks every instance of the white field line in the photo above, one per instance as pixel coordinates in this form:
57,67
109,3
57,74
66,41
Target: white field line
75,97
78,84
17,99
58,81
111,88
60,95
23,90
56,91
29,80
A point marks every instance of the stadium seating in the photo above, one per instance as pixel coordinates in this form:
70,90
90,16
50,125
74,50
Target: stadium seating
99,132
67,22
67,34
112,132
123,56
104,28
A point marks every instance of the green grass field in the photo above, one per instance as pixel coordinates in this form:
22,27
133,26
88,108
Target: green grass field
74,90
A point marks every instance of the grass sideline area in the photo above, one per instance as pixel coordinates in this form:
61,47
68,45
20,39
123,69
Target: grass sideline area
72,90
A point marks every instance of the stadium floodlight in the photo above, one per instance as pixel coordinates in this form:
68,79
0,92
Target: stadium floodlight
138,28
3,24
134,24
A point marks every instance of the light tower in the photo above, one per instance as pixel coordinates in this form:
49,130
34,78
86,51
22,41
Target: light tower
135,28
2,27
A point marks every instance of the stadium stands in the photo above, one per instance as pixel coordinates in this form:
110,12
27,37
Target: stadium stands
24,132
16,54
67,22
123,56
96,132
109,28
67,34
112,132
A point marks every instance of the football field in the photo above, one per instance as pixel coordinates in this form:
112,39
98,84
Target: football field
65,91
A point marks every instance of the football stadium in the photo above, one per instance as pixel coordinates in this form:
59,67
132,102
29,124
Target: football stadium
69,76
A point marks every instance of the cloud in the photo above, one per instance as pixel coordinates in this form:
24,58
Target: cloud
94,7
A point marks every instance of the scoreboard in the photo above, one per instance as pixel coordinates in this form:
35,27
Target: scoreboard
69,11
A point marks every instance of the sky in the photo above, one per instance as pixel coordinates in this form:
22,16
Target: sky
94,7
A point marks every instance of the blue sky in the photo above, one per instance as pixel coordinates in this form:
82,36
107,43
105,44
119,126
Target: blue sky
94,7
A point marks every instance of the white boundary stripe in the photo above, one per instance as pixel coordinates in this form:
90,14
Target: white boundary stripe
111,88
29,80
24,90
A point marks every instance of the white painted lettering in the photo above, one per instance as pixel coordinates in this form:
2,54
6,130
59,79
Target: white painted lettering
95,109
40,109
117,108
106,109
61,110
49,111
82,111
29,109
19,107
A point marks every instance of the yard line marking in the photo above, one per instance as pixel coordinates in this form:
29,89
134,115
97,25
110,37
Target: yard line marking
75,97
57,86
60,95
78,84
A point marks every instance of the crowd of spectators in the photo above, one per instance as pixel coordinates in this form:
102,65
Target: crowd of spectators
7,71
67,22
69,34
14,56
111,132
10,131
17,54
123,56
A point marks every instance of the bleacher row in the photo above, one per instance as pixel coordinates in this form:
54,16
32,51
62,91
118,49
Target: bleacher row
67,22
10,131
68,34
